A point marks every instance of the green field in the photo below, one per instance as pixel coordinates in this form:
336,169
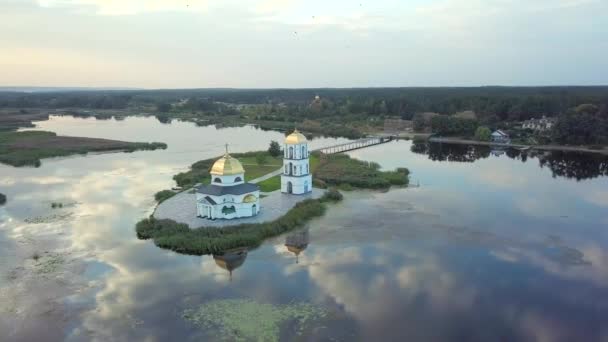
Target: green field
199,171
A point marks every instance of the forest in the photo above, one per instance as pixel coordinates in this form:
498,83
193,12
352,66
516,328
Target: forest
351,112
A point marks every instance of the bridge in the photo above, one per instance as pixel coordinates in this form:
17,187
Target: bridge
357,144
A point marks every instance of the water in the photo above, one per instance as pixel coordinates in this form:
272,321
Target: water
489,247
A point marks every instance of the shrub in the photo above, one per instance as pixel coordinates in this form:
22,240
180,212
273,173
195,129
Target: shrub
163,195
260,158
332,195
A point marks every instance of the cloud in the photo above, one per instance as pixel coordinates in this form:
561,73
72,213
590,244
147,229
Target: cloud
127,7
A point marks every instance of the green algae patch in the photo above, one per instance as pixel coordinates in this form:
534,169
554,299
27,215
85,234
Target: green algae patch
248,320
49,263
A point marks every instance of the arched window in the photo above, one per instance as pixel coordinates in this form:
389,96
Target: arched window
306,168
303,151
290,152
295,169
300,169
217,180
238,179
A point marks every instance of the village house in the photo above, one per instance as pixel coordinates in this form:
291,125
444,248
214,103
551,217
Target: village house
500,137
539,125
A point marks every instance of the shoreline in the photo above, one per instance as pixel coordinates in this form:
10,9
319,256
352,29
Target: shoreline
532,147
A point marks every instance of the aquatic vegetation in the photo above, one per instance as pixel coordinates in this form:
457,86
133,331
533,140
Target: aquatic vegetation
248,320
2,198
347,173
49,263
48,219
56,205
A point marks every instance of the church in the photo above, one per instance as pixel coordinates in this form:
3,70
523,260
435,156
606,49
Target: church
227,196
296,178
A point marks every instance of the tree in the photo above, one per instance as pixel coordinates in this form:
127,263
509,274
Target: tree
163,107
274,149
483,133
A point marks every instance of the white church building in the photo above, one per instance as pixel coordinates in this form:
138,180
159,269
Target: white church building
227,196
296,178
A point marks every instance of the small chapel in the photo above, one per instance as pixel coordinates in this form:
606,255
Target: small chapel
227,196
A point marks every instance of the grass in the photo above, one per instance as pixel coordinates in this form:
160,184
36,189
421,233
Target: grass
178,237
199,171
345,172
270,184
29,147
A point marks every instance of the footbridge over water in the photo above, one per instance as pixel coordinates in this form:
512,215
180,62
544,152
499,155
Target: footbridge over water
357,144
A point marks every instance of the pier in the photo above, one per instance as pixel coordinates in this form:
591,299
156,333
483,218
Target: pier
357,144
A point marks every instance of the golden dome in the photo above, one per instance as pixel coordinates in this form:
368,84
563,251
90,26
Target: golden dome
226,166
295,249
250,199
295,138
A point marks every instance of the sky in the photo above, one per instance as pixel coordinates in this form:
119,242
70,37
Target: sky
302,43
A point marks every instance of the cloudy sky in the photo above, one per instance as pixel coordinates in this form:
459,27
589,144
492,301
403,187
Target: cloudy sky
302,43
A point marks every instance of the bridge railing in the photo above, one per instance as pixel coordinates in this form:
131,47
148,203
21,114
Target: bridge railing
353,145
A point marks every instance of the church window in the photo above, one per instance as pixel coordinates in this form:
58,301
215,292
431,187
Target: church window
217,180
238,179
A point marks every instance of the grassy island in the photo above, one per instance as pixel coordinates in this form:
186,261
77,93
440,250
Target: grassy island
345,172
328,170
178,237
28,147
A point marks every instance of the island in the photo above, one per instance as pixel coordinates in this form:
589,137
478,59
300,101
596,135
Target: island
220,207
27,148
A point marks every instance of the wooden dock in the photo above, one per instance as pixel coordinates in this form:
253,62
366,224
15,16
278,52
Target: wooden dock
355,145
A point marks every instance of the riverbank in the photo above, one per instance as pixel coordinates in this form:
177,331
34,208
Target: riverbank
27,148
603,151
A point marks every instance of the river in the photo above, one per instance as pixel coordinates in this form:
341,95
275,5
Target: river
492,245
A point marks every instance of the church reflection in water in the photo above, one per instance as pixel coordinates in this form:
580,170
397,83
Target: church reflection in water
231,259
297,242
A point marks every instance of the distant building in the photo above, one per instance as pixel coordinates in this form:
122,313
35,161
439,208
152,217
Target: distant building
501,137
395,125
540,125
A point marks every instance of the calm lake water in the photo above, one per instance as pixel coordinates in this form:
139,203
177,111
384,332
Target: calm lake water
492,245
